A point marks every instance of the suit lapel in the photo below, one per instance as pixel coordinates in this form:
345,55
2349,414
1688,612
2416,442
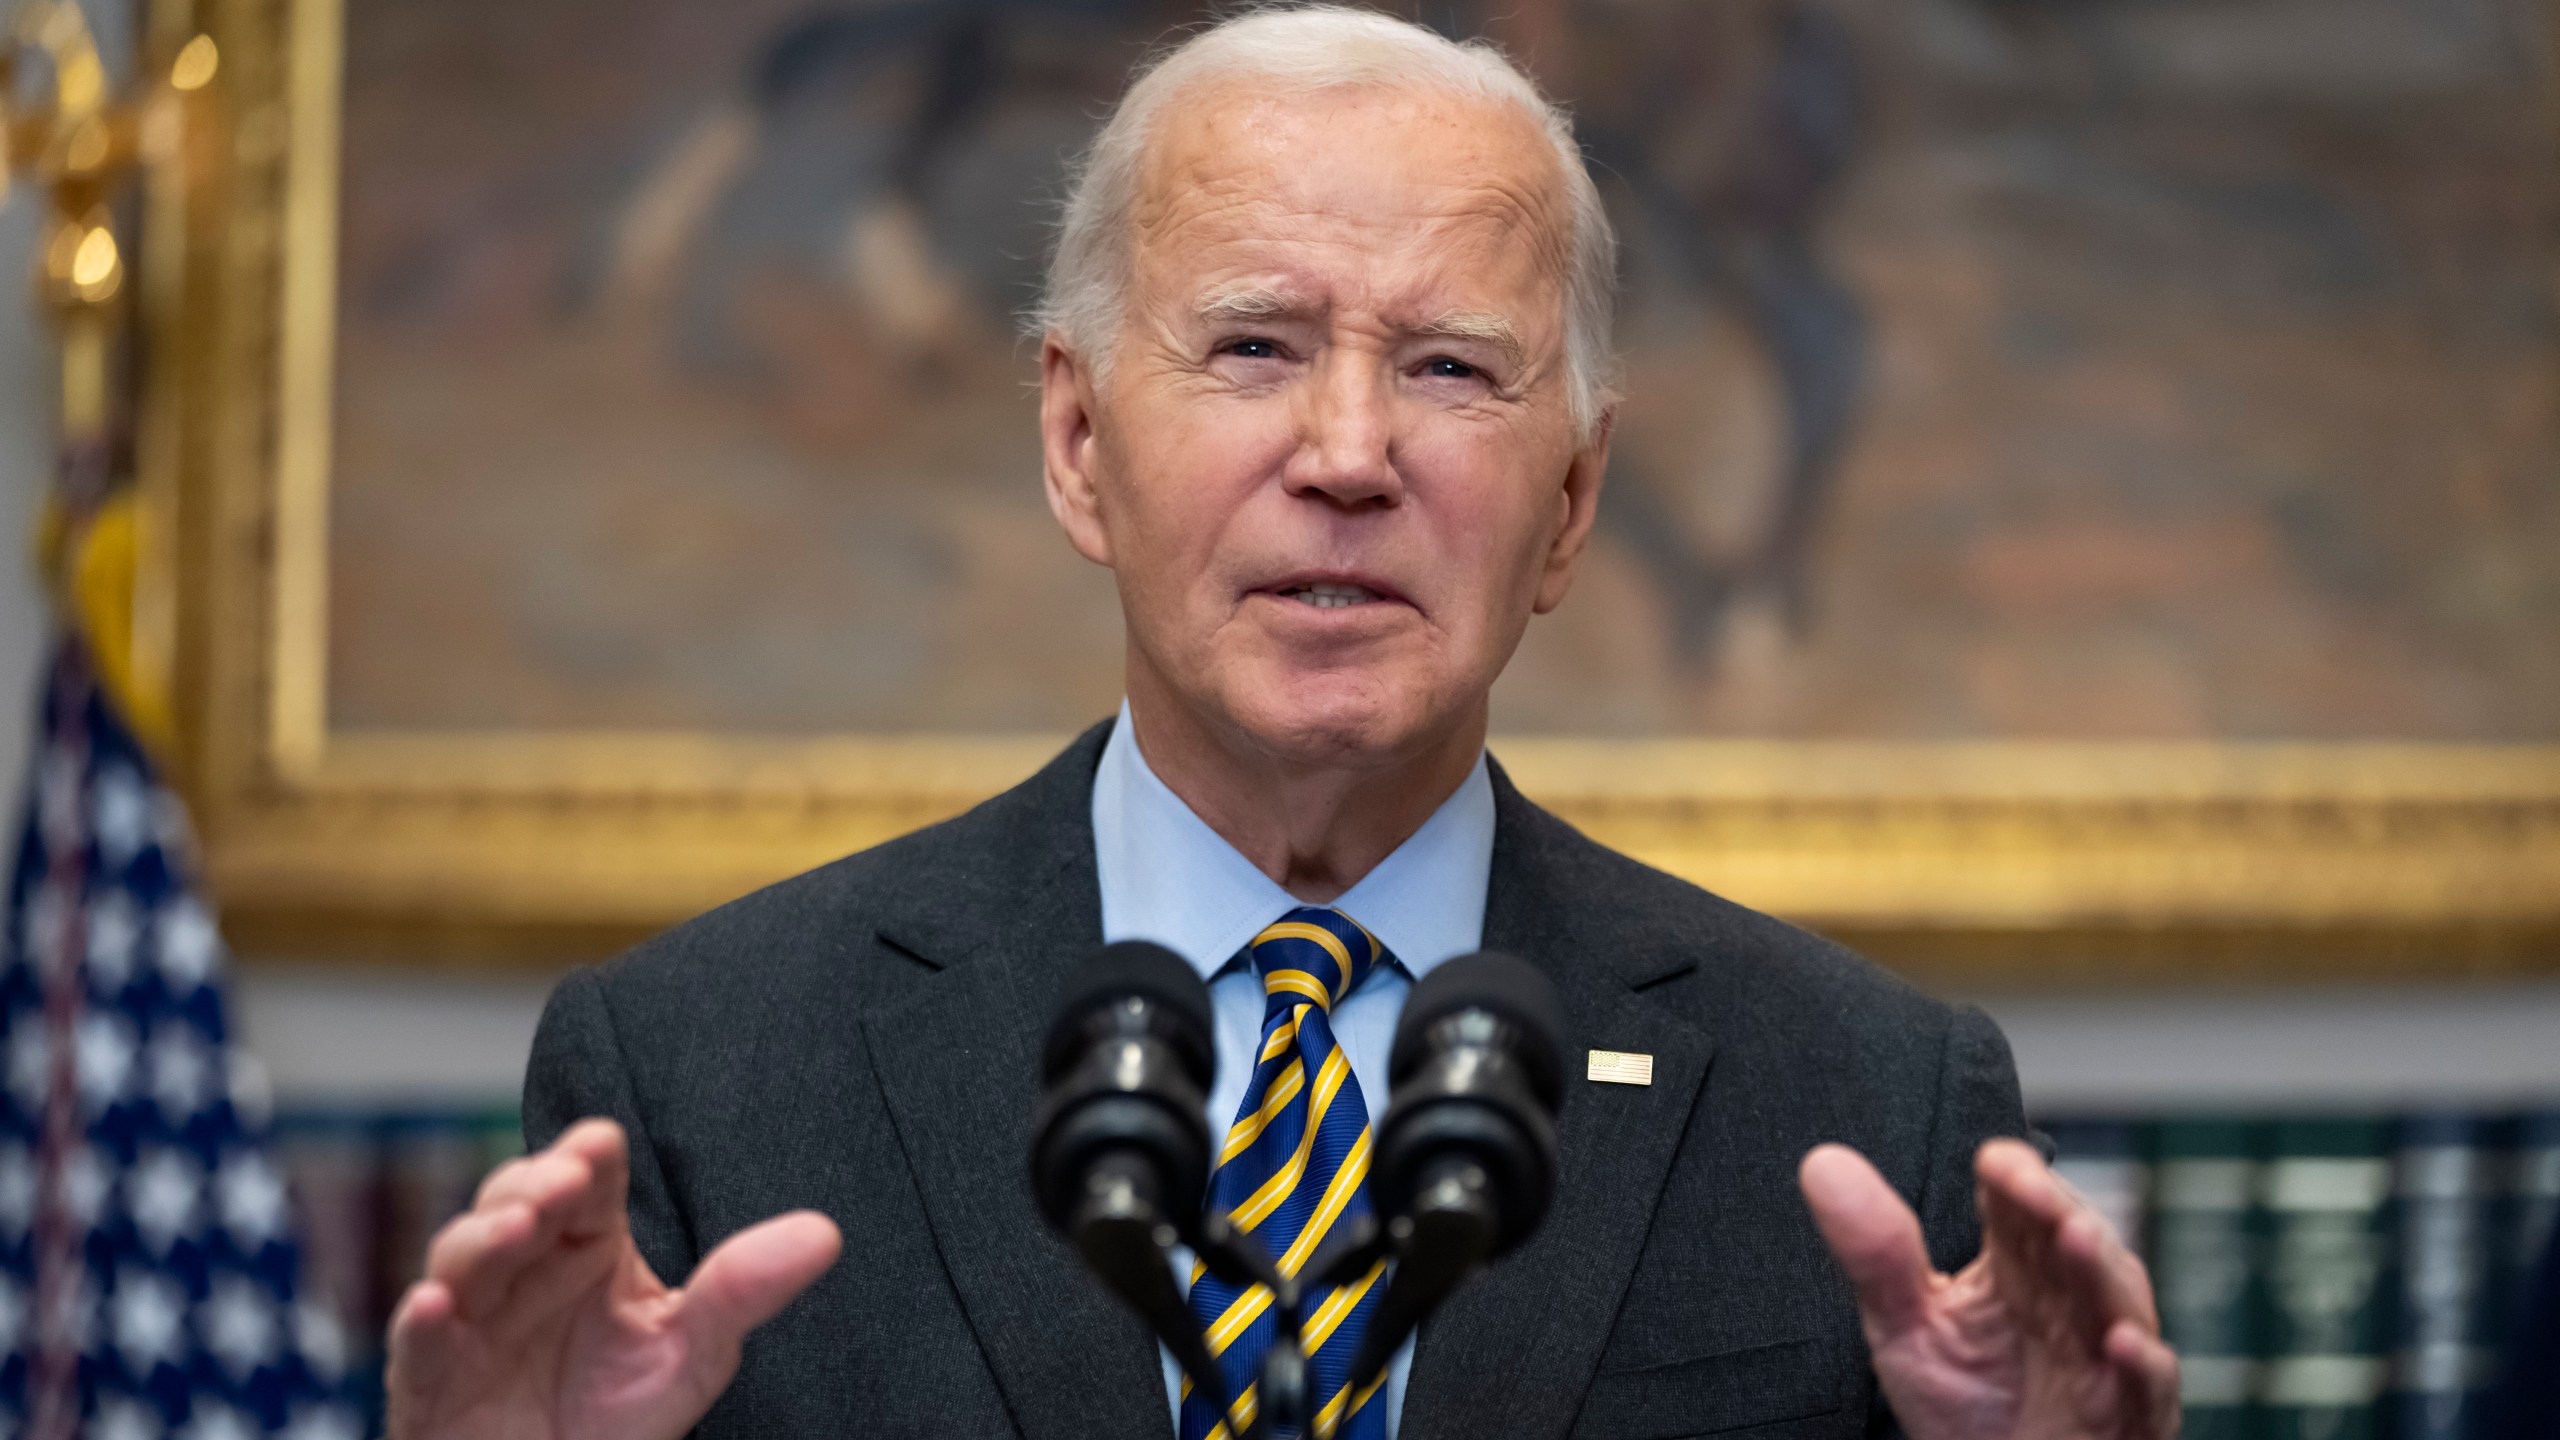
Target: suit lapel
1513,1352
958,1065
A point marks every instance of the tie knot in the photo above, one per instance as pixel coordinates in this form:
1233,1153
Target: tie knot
1314,955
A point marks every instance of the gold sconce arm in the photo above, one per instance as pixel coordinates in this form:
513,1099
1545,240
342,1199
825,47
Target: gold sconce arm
78,144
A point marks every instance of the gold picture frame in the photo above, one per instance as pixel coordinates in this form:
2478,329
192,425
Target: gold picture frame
1959,862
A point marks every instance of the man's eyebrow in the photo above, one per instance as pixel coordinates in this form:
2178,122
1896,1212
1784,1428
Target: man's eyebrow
1477,325
1250,303
1260,303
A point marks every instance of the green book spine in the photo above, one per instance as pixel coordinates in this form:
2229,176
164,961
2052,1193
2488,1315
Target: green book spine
2527,1216
2445,1352
2322,1295
2205,1175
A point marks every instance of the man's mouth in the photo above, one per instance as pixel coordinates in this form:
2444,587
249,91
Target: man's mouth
1331,595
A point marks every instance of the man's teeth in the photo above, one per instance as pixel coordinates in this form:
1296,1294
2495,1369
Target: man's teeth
1330,596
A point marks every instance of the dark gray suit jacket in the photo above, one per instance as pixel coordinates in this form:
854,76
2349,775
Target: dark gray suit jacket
862,1040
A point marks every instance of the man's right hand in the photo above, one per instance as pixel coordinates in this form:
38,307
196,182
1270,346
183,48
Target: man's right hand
538,1320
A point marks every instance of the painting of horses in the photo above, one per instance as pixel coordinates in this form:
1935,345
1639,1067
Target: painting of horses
2121,369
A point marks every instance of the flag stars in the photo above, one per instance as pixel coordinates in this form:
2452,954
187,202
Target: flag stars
113,964
322,1341
239,1325
149,1315
189,944
214,1420
181,1070
103,1053
120,815
322,1422
121,1417
30,1061
86,1177
163,1195
252,1199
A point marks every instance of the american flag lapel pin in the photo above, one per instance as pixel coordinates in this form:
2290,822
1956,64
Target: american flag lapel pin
1621,1067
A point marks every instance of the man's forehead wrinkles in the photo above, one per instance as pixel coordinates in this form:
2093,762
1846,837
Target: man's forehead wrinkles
1243,237
1204,173
1268,215
1468,294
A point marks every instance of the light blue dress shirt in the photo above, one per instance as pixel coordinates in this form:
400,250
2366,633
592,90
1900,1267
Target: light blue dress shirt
1167,877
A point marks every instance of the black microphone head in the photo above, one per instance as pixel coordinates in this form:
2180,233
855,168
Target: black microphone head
1134,970
1504,986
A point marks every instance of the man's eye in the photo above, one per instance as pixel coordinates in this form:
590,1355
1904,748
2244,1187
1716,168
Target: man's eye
1254,348
1445,368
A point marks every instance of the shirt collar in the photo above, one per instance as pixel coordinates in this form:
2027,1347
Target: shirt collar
1167,877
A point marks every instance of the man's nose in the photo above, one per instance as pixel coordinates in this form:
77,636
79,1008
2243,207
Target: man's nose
1346,434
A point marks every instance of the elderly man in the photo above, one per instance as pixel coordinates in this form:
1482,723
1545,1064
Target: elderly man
1324,384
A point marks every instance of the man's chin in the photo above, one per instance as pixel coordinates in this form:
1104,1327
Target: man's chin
1337,721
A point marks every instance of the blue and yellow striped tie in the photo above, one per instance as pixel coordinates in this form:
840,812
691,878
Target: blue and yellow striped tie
1295,1166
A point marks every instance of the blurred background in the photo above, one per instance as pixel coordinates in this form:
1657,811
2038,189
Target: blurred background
1999,370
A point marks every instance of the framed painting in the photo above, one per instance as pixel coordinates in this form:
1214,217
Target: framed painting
2087,500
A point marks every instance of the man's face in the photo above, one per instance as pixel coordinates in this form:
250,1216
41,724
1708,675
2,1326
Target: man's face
1333,465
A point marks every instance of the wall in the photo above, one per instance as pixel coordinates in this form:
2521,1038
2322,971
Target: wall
345,1036
26,408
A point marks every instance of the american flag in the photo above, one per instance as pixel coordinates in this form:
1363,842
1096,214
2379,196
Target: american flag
147,1255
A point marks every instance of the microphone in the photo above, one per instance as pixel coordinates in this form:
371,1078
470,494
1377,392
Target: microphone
1125,1070
1120,1144
1466,1157
1476,1075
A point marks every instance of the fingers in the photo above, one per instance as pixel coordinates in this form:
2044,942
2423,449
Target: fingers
479,1253
425,1342
2150,1371
2053,1256
2022,1211
754,1273
531,1211
599,1146
603,1208
1874,1234
2024,1189
422,1331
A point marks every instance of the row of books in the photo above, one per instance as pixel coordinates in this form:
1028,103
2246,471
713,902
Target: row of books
2323,1277
2330,1277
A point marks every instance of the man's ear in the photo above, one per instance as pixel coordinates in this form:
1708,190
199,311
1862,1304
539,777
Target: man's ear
1067,449
1581,504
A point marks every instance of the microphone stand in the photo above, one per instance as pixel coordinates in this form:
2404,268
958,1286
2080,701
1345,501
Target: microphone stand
1450,1235
1120,1231
1284,1409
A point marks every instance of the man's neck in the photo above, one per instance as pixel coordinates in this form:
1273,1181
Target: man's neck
1314,829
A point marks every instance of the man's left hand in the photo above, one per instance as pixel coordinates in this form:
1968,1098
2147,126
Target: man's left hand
2050,1334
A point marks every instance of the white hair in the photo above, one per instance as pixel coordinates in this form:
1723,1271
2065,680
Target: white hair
1310,48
